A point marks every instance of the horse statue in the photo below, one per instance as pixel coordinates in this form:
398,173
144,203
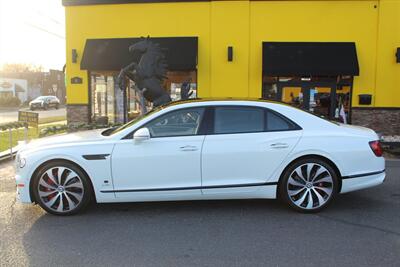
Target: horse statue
148,73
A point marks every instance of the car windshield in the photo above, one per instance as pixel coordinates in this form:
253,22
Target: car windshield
114,130
41,98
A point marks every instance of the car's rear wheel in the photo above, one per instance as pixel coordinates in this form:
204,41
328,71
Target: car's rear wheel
309,185
61,188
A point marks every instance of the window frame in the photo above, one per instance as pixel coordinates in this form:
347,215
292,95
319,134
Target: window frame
207,122
201,129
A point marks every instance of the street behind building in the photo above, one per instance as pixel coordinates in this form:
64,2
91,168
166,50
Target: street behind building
12,115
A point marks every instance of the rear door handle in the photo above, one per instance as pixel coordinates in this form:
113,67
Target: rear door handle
279,145
188,148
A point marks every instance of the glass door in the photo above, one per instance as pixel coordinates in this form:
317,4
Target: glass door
318,98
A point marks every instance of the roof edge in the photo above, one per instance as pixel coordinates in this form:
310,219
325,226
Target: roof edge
110,2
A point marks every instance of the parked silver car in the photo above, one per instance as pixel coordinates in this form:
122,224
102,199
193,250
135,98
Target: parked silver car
44,102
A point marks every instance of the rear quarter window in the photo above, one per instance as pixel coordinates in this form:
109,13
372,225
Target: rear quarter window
277,122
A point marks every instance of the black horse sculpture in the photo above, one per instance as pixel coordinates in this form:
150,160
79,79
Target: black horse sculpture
148,73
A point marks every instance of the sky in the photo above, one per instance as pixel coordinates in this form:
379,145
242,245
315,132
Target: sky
32,32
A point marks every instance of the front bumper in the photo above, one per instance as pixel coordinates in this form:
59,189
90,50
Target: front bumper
36,105
358,183
22,194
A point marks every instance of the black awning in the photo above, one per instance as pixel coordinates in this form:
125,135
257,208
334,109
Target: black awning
309,59
113,54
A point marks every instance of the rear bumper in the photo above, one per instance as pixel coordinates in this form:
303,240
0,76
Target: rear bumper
358,182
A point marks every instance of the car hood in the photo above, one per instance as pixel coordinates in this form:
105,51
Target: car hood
359,130
66,139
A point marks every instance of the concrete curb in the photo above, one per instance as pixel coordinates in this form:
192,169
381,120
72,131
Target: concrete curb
6,157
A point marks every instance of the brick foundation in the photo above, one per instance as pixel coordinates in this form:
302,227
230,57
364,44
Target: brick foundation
77,114
383,121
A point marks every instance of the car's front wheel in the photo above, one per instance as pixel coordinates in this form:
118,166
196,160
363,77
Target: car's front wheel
309,185
61,188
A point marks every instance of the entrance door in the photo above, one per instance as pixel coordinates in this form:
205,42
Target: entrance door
319,98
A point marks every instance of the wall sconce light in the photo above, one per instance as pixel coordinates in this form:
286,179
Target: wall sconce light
230,53
364,99
74,56
398,55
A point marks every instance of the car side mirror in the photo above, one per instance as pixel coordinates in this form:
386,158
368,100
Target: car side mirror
141,134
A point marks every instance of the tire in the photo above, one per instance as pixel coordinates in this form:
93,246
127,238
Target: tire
45,106
57,106
308,185
61,188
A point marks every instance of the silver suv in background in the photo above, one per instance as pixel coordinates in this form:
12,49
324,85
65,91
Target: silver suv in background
44,102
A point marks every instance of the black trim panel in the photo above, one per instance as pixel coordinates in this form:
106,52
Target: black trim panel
362,175
95,156
310,59
113,53
187,188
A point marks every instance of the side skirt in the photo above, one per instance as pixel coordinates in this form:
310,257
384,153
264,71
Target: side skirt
187,188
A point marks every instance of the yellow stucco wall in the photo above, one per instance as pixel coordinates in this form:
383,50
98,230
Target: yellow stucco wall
373,25
135,20
388,71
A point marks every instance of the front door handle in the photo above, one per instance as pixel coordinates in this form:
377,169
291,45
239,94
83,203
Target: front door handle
279,145
188,148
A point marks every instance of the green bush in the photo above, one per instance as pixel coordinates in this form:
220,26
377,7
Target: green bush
9,101
73,127
12,125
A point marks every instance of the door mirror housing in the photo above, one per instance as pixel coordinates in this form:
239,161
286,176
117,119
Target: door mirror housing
141,134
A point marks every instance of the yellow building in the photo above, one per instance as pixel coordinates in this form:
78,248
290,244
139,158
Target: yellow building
323,56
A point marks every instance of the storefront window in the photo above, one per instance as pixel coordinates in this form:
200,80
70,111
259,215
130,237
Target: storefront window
181,83
103,98
107,98
329,97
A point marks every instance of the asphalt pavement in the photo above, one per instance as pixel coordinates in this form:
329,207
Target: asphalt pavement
359,229
12,115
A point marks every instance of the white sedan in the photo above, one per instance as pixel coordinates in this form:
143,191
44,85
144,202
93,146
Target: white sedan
203,149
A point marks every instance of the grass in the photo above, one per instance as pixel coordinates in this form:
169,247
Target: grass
52,119
33,133
19,135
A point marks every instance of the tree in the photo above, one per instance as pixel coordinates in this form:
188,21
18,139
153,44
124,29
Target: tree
21,67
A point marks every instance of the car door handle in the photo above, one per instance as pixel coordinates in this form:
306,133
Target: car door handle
188,148
279,145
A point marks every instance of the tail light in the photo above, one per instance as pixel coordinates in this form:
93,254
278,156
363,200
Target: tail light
376,148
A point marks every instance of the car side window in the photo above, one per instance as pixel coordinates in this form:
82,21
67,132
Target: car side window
228,120
274,122
177,123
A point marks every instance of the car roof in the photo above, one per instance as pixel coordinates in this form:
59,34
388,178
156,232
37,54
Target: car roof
216,99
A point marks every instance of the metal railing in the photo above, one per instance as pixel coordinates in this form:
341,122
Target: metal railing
11,136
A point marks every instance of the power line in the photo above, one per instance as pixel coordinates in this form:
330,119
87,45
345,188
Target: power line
48,17
44,30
